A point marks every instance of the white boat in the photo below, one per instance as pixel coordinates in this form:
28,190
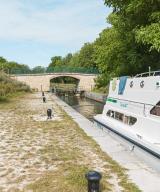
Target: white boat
132,112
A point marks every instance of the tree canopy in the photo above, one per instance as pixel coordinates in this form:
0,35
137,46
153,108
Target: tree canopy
13,67
56,61
38,69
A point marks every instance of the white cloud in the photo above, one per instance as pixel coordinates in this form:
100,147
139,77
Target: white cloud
65,21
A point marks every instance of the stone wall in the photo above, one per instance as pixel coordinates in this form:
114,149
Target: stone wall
96,96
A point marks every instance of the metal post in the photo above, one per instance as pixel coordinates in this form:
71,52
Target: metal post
93,178
149,71
49,113
144,109
44,99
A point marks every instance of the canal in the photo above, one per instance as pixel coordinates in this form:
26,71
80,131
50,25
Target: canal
85,106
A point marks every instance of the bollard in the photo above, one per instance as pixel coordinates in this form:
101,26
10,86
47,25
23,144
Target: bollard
44,100
49,113
93,178
42,93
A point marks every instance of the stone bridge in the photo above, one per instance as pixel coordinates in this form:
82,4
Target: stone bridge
42,81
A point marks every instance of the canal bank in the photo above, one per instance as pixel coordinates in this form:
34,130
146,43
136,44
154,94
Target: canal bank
139,172
99,97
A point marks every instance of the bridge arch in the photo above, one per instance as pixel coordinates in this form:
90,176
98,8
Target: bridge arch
65,75
64,82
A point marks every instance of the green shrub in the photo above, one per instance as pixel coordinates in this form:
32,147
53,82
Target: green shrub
9,86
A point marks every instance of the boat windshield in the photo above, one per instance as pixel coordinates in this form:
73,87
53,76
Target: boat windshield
156,110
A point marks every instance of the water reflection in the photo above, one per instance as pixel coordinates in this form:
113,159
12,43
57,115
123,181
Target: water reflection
85,106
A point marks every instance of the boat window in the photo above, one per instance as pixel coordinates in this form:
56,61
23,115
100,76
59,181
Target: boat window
157,73
126,119
119,116
110,113
129,120
132,120
156,110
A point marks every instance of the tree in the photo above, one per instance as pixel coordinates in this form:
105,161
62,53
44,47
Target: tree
67,59
56,61
3,60
142,17
38,69
150,34
74,62
13,67
86,56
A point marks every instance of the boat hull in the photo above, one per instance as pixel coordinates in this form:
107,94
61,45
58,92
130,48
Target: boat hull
144,151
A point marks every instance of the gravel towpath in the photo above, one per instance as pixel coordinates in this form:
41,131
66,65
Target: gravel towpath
37,154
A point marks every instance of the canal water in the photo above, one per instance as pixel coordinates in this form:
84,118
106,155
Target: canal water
85,106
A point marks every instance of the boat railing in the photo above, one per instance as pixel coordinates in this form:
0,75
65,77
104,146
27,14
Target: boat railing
148,74
144,105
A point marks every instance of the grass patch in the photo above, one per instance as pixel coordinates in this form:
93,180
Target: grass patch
3,99
70,176
10,87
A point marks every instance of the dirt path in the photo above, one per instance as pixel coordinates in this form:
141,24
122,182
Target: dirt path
40,155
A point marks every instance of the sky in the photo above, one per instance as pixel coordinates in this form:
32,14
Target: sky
33,31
